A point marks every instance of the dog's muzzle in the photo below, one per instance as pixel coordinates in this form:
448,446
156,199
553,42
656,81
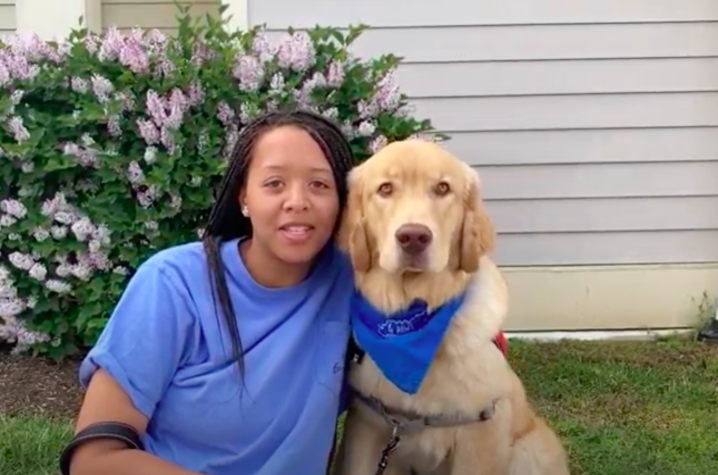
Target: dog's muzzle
414,239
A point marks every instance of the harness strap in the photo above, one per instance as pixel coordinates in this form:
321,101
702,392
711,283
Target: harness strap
408,422
403,422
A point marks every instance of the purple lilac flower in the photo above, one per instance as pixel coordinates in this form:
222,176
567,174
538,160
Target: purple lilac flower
296,52
247,112
303,95
132,55
5,77
102,87
25,338
148,131
6,221
178,105
17,128
366,129
113,126
58,286
167,139
250,73
156,107
135,173
38,271
92,43
112,44
150,155
85,156
82,229
225,114
16,96
155,41
40,234
20,260
79,84
58,232
147,196
276,84
332,113
196,94
387,96
14,208
200,54
335,76
378,143
262,48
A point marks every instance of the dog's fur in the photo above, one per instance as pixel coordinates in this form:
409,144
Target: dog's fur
468,371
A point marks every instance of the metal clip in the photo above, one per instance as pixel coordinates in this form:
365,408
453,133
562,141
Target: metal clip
390,447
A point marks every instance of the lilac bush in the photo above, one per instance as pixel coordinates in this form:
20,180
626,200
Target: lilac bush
111,146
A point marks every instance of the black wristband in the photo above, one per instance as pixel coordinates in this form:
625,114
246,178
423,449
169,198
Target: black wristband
100,430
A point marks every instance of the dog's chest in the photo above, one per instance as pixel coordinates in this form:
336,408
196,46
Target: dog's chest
427,452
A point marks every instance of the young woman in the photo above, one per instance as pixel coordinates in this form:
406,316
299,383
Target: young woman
226,356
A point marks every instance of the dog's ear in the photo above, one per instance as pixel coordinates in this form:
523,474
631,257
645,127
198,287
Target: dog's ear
352,236
477,236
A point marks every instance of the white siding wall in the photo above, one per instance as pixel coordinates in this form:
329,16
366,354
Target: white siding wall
161,14
7,16
594,124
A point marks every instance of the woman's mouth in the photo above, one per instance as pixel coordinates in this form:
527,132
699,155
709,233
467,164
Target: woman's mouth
296,233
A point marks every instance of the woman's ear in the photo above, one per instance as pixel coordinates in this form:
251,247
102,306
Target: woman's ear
351,235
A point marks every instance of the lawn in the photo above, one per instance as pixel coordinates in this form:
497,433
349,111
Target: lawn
641,408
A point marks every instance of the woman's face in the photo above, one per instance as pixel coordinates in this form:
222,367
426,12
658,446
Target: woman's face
291,195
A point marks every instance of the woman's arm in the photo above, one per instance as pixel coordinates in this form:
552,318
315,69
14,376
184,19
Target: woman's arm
129,369
106,401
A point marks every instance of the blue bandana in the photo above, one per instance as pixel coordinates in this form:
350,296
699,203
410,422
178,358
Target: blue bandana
402,344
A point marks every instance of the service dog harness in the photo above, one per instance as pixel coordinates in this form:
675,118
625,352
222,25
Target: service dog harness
405,422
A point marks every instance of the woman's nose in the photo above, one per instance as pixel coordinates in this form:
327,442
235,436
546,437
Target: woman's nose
297,199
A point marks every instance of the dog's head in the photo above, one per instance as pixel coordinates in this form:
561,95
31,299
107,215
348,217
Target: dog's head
414,207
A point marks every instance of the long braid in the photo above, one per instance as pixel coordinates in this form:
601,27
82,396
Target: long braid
226,220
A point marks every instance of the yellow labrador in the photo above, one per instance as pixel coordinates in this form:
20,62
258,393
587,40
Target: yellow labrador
416,231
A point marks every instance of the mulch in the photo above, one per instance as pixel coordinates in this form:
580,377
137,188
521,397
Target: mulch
38,386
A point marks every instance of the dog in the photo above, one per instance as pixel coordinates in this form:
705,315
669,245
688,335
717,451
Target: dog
416,230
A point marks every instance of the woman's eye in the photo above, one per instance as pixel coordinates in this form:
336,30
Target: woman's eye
273,184
319,184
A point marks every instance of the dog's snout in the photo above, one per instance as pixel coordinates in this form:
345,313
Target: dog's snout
414,238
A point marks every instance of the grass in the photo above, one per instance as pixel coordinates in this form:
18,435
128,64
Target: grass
641,408
31,445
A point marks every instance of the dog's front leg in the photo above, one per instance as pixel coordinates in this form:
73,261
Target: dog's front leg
361,446
481,449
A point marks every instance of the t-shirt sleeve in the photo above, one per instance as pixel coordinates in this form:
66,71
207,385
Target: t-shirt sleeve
146,336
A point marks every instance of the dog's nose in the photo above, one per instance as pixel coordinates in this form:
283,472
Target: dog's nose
413,238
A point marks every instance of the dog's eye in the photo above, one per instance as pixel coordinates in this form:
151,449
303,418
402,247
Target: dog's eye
442,188
385,189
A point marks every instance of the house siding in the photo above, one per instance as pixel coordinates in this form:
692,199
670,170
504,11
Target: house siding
7,16
594,125
160,14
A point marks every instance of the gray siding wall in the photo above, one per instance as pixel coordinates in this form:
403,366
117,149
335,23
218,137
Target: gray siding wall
7,16
594,124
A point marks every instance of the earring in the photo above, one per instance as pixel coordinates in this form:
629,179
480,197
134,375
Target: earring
245,211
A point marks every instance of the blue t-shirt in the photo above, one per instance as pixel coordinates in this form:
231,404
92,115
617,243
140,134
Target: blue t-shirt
168,346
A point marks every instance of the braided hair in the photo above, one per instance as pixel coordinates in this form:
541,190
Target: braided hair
226,220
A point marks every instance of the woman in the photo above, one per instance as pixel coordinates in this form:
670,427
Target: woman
226,356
